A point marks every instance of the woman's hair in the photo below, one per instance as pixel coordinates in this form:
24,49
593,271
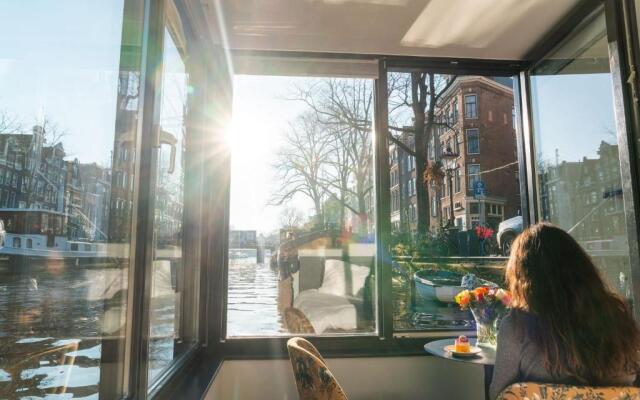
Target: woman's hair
581,327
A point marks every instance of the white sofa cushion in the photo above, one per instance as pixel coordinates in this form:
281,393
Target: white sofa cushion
326,311
334,281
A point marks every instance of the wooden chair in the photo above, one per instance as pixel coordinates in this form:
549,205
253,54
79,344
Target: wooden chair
542,391
313,378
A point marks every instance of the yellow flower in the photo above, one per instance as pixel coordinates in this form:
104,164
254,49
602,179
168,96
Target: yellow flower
463,298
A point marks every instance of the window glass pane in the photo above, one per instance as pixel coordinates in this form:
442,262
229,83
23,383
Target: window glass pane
473,141
302,238
69,92
471,107
579,181
172,330
463,168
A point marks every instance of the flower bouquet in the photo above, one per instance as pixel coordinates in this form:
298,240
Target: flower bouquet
487,304
483,233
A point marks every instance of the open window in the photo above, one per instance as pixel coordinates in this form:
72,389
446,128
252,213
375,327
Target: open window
302,238
467,207
578,156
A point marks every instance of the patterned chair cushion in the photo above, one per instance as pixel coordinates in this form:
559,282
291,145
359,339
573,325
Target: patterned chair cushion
313,378
551,391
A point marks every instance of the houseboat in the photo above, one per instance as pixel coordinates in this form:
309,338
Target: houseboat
43,234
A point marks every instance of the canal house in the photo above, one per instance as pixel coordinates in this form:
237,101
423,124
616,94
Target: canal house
189,187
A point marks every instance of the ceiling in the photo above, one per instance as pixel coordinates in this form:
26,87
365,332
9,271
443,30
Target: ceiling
487,29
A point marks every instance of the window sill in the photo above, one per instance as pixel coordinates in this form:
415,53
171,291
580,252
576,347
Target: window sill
403,344
193,380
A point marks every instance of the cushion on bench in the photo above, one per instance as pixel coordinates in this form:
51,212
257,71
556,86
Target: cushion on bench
326,311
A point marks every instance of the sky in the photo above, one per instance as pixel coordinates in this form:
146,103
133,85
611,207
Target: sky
261,113
573,114
60,59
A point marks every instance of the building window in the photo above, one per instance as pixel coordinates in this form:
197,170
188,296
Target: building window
470,106
29,243
17,242
473,170
473,141
457,181
456,114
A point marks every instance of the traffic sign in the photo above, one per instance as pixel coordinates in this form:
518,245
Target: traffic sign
478,189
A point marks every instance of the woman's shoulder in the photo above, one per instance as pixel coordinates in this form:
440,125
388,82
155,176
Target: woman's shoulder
515,322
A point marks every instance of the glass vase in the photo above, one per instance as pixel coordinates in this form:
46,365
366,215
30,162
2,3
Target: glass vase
486,325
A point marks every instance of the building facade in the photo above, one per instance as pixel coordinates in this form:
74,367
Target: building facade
34,175
403,181
475,142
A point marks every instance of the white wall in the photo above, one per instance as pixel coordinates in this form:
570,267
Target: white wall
396,378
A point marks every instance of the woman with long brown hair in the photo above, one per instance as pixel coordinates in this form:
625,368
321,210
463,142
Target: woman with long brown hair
565,326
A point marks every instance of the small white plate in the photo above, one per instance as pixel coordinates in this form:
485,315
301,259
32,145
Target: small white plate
473,351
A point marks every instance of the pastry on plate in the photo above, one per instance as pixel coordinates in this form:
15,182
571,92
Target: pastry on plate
462,344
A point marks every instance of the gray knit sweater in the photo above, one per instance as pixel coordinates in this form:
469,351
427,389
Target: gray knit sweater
519,360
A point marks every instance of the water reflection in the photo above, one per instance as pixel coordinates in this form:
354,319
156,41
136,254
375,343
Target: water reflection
53,322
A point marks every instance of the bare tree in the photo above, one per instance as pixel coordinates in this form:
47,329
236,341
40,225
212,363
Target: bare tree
300,163
9,123
291,218
344,108
53,134
413,98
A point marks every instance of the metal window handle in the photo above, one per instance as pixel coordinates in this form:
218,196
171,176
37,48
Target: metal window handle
165,137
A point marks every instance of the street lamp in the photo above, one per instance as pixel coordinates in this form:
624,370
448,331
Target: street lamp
449,162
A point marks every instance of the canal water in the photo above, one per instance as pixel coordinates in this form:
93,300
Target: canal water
252,308
49,306
52,319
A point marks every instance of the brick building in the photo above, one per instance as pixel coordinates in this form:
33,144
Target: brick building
36,176
404,210
124,157
32,175
87,195
586,195
476,141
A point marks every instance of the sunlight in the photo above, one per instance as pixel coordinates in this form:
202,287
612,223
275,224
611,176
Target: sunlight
247,137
